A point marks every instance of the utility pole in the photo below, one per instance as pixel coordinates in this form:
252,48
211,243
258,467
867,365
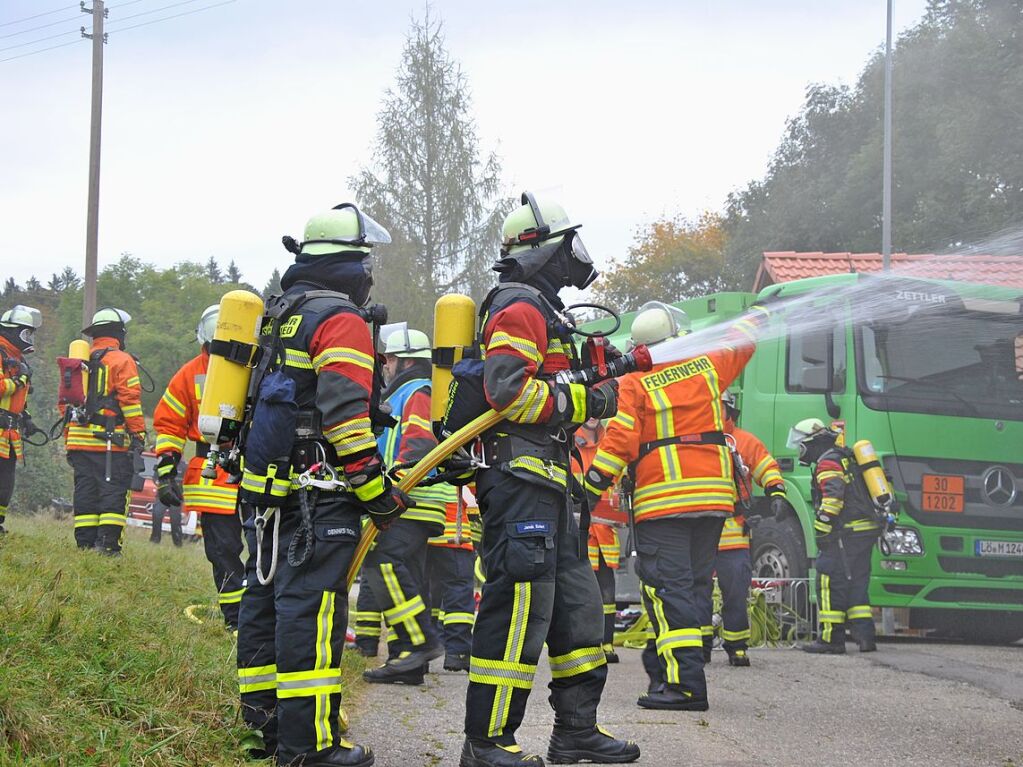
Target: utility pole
886,194
98,38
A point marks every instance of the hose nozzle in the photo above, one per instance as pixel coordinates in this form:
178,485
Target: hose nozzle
636,360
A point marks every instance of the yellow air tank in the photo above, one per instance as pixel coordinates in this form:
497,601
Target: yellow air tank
873,475
79,350
227,381
454,329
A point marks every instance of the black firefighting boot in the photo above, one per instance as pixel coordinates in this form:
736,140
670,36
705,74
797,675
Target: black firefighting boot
593,744
391,673
479,753
415,659
347,754
673,698
738,657
456,662
820,647
862,632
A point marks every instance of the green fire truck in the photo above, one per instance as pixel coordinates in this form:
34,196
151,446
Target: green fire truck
931,372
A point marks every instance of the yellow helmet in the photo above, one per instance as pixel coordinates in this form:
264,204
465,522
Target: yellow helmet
107,319
343,227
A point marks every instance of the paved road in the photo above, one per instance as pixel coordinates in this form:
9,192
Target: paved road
926,704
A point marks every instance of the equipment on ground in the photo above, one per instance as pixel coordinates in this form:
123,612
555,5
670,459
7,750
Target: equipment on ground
232,357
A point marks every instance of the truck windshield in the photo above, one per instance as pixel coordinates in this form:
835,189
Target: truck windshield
950,363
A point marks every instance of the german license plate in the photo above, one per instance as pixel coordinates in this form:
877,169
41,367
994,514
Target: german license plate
942,492
999,548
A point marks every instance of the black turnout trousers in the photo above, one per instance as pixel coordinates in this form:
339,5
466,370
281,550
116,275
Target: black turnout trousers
101,506
538,590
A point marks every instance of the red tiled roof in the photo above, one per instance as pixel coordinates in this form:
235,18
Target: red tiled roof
784,266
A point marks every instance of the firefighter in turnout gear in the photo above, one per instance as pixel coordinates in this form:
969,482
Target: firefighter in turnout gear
670,426
603,547
732,565
847,527
99,444
175,422
538,587
17,338
312,417
396,566
449,563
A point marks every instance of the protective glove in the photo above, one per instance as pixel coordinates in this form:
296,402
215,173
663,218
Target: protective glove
822,525
460,469
576,403
21,381
28,426
779,505
372,487
168,486
611,352
138,442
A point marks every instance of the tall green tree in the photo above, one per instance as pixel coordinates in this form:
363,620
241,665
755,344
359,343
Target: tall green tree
957,133
430,185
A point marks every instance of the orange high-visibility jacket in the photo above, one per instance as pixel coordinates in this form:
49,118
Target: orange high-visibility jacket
13,397
118,377
176,421
677,399
603,539
763,470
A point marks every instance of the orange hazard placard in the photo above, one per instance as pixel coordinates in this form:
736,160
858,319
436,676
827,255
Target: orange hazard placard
941,492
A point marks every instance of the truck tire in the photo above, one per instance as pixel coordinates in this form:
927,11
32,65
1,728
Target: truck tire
777,550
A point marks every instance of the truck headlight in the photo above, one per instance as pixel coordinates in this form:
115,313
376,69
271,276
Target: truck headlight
904,541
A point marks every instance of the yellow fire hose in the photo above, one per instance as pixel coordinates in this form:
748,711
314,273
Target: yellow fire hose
418,473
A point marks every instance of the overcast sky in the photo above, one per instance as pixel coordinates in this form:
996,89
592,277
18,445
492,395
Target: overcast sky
223,130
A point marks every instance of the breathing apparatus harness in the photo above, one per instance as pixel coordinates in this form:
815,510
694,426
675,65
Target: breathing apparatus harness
318,474
20,421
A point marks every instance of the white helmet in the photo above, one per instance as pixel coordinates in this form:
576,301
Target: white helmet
657,321
207,324
408,344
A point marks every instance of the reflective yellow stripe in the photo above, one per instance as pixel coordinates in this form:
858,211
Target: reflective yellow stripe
519,620
550,471
133,382
168,442
294,358
832,506
577,662
454,618
671,668
624,419
524,346
735,636
404,610
528,405
344,354
132,411
501,674
256,678
113,518
173,403
86,520
608,463
859,612
304,684
230,597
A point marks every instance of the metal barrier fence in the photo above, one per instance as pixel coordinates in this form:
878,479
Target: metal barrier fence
781,611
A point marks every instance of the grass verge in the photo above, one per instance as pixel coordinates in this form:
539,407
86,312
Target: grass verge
100,666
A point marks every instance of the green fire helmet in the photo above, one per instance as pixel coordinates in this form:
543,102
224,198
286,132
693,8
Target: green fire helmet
22,317
207,324
343,227
105,319
408,344
658,321
534,223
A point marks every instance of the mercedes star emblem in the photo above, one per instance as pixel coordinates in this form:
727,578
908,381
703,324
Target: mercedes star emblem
998,487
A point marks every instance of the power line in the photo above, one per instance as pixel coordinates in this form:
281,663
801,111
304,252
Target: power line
174,16
40,40
154,10
42,50
37,16
42,26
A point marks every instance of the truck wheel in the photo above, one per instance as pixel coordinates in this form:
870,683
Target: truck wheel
777,550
